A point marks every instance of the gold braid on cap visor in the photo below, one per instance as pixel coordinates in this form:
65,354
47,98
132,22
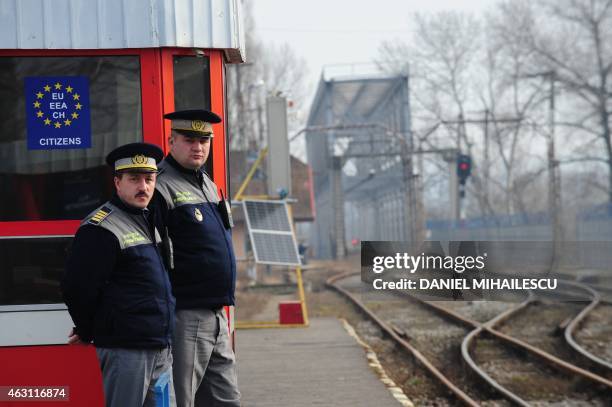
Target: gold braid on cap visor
138,161
194,126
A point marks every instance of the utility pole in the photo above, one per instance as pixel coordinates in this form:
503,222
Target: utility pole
486,163
554,175
410,210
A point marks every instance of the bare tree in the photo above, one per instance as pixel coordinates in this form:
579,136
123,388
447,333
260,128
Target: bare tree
463,68
569,38
511,107
268,70
454,69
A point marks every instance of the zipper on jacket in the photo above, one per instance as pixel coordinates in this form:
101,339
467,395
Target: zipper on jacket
150,228
220,224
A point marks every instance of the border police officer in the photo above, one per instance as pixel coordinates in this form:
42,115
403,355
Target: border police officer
117,288
202,265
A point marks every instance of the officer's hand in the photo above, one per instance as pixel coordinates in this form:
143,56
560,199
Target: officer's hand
74,339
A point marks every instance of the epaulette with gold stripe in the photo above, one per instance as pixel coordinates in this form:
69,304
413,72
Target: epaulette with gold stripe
100,215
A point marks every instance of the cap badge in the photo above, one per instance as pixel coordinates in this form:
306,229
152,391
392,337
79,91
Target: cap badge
197,125
139,159
198,215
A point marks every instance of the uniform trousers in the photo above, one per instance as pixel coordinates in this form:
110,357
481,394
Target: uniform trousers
129,375
204,362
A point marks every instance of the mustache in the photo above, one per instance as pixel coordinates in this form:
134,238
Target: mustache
144,194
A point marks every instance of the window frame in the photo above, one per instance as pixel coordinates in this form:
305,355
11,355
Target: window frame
157,93
219,151
152,130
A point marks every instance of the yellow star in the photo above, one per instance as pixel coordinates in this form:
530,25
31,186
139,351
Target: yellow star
39,95
76,96
67,122
47,88
58,125
75,115
58,86
37,104
78,106
47,122
69,89
39,114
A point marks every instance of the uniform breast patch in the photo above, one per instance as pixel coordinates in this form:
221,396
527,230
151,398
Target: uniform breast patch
183,196
198,215
133,238
100,215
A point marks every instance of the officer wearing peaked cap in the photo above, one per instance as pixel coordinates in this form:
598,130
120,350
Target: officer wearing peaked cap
196,222
117,288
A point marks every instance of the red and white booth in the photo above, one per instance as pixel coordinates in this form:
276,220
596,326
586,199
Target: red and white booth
77,79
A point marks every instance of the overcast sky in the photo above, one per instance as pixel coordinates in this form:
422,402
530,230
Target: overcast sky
342,32
328,32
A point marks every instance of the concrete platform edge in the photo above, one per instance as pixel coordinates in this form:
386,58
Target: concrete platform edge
376,366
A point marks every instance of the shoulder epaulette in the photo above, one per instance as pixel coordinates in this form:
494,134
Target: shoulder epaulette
99,216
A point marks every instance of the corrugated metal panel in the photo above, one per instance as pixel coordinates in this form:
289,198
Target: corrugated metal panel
103,24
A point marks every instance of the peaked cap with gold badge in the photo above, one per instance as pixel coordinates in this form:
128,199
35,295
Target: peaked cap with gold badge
193,123
135,157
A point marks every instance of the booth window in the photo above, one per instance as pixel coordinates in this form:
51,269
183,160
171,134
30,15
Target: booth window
192,87
191,82
62,184
31,270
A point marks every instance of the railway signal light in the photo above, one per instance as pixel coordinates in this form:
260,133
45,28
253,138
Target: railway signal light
464,167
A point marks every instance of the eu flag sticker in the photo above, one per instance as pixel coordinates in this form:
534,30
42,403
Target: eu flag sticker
57,112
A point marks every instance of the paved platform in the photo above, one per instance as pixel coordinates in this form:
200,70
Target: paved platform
316,366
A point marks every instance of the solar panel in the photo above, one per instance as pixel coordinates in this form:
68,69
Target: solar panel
271,233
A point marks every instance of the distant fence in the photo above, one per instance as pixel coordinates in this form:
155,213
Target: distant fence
594,228
589,247
534,227
595,224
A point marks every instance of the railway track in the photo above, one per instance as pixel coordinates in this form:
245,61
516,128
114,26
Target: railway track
592,346
476,333
398,336
543,323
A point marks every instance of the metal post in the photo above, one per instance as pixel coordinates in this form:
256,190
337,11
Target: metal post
460,188
414,220
453,183
486,170
338,207
554,178
410,201
420,191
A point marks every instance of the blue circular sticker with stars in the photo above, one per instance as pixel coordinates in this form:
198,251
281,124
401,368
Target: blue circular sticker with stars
57,112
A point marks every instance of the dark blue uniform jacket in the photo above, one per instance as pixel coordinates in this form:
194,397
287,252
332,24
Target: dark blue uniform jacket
186,205
116,286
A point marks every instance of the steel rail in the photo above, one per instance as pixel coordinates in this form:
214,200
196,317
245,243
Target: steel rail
446,314
575,323
547,357
462,396
489,327
468,342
